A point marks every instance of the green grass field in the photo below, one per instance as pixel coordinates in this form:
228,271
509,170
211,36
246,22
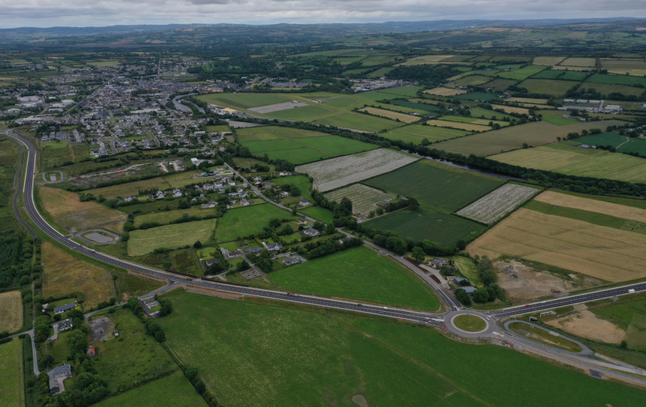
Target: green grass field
247,221
162,182
548,74
358,274
547,86
166,217
573,160
603,139
358,121
522,73
322,214
252,354
54,145
244,100
11,374
606,89
500,84
171,391
433,185
617,79
479,112
479,96
305,150
556,117
415,133
629,314
170,236
134,356
274,133
302,182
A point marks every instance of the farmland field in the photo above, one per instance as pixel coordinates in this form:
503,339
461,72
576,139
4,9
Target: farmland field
162,182
472,80
363,198
186,261
511,109
617,79
170,236
511,138
246,221
547,60
338,172
427,59
11,315
301,151
479,112
252,354
496,204
622,67
11,374
417,104
533,101
65,274
556,117
547,86
522,73
601,252
244,100
479,96
170,391
577,161
357,121
416,133
322,214
549,74
606,89
500,84
406,118
135,355
166,217
300,181
301,113
458,125
445,91
582,62
358,274
604,139
431,184
619,208
274,133
69,212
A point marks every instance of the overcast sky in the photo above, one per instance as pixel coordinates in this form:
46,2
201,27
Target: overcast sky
48,13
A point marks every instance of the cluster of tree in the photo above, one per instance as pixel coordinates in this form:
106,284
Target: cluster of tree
331,246
16,254
262,261
341,209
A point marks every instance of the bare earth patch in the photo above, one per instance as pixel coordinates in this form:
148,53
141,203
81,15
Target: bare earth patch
72,214
586,325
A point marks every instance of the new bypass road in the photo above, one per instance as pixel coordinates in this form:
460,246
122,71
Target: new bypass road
176,280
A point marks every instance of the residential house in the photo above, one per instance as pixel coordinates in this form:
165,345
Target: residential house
253,250
244,202
160,195
64,325
228,254
209,262
56,377
177,193
265,185
310,232
64,308
290,261
91,352
209,205
438,263
470,290
272,247
303,203
150,303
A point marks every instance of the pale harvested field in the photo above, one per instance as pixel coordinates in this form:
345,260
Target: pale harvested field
527,100
496,204
621,67
441,91
458,125
549,61
510,109
65,274
586,325
592,205
402,117
605,253
582,62
70,213
11,315
339,172
426,60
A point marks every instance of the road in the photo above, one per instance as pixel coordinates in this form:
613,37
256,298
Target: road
177,280
438,320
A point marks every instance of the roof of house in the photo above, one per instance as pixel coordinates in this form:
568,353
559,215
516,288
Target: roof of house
469,289
60,371
65,307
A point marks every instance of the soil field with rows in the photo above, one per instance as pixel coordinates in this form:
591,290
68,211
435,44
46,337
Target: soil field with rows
363,198
342,171
495,205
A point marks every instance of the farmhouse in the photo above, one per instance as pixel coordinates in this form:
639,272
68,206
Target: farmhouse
64,308
150,303
64,325
290,261
56,377
303,203
438,263
228,254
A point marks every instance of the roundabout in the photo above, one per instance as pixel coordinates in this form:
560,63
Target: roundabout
469,324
